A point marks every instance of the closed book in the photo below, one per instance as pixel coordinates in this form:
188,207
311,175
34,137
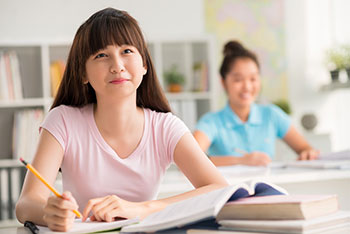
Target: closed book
279,207
333,223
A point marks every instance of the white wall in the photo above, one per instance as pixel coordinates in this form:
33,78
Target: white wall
39,20
313,26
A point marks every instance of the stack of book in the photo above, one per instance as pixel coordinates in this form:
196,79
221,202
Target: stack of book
56,74
25,136
10,77
255,207
284,214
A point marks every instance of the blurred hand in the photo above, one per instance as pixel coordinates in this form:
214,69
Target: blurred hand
255,159
309,154
58,212
112,207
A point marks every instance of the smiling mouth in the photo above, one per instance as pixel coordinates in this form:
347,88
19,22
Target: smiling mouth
118,81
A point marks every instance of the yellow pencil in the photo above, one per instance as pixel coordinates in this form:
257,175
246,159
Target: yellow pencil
35,172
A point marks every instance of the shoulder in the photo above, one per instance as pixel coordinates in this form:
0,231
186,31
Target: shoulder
212,117
161,118
68,114
69,110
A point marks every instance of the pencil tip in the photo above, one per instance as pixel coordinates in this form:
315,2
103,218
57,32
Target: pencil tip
22,160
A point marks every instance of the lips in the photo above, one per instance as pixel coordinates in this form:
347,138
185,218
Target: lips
245,95
118,81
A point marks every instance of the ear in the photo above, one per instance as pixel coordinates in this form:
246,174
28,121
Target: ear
223,83
145,70
85,81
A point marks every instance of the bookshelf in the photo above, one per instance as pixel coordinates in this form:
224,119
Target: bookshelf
35,59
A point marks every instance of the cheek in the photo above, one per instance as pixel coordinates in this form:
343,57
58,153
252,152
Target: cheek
257,87
235,87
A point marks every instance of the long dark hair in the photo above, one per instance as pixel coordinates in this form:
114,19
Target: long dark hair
107,27
234,50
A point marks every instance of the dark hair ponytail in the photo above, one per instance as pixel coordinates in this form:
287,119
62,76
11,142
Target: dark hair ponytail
234,50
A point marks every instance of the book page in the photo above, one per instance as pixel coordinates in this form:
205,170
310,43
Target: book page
186,211
262,188
92,226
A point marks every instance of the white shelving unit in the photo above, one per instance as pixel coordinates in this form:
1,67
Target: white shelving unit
189,105
35,59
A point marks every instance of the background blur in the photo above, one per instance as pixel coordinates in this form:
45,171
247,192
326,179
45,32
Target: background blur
290,37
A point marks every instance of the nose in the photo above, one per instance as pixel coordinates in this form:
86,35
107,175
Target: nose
247,85
117,65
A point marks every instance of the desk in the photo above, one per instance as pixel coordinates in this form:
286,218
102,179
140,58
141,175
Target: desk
22,230
294,180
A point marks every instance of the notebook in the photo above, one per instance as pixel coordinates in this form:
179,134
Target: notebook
92,226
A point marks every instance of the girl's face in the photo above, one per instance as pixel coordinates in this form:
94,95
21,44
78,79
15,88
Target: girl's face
242,83
115,71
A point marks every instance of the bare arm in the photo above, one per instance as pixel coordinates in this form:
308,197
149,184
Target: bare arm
196,166
34,197
253,159
193,163
298,143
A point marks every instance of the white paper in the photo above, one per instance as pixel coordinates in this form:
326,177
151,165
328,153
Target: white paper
91,226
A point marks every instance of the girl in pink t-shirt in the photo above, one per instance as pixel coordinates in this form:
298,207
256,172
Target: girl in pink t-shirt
111,132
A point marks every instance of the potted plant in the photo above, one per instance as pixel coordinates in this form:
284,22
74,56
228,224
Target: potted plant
174,79
336,61
347,60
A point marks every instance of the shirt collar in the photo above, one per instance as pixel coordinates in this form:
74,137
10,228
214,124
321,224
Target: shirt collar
253,119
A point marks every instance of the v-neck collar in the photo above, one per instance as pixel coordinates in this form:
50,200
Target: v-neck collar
101,141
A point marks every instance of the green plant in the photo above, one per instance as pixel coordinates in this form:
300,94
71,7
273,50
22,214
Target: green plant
347,56
173,76
284,105
336,58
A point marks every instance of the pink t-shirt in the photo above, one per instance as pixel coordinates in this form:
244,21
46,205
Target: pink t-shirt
91,168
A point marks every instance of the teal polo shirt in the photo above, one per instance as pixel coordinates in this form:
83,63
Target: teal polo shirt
227,132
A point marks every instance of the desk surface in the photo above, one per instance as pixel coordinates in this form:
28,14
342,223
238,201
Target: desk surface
294,180
22,230
175,181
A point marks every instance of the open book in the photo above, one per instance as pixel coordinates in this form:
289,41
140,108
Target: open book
91,227
202,207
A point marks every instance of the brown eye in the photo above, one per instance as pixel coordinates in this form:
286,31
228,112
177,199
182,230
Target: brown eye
101,55
127,51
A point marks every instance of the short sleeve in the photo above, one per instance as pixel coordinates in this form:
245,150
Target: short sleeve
173,130
281,120
55,123
207,124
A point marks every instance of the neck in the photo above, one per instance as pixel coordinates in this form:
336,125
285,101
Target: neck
117,118
241,111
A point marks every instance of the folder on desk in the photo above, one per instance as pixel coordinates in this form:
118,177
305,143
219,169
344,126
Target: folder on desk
339,155
321,164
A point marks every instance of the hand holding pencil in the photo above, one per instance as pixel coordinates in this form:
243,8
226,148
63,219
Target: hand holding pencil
65,196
